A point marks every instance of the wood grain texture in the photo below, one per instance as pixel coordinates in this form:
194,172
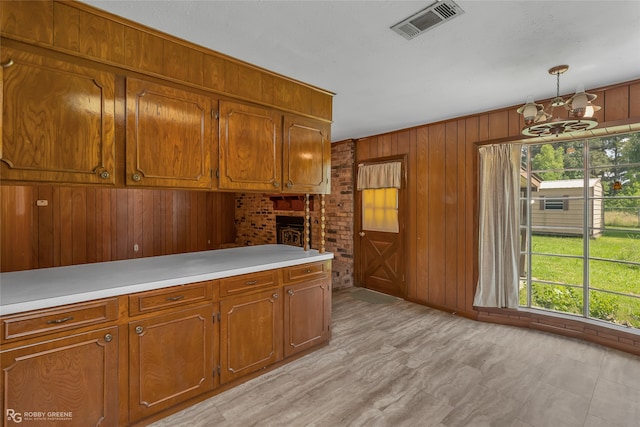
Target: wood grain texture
29,20
250,147
169,136
66,32
306,163
171,359
78,374
87,32
442,191
81,225
101,38
250,333
59,125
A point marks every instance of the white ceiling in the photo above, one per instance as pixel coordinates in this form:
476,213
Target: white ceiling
492,56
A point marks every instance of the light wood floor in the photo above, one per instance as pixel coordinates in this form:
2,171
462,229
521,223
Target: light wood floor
403,364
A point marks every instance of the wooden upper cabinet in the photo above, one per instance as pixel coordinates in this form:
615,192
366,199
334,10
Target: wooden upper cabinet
306,156
169,136
250,148
57,120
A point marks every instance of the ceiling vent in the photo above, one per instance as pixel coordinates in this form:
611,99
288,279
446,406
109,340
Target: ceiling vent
427,19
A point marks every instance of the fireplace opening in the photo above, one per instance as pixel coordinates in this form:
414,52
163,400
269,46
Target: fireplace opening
290,230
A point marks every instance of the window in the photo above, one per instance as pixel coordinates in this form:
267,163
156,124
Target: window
380,210
553,204
586,261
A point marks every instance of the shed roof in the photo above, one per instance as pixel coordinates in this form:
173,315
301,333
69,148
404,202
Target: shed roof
568,183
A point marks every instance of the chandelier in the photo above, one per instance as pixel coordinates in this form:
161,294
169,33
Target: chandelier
539,121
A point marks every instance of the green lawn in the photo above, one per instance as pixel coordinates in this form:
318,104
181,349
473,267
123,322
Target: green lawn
605,275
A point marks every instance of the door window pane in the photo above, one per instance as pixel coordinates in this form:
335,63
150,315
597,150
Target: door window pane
380,210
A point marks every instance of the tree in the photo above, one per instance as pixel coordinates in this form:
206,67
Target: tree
550,161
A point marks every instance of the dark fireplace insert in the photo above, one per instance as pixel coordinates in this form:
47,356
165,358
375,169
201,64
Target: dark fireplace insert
290,230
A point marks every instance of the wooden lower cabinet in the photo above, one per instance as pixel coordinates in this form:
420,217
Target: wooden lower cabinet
250,333
72,381
171,359
307,315
67,365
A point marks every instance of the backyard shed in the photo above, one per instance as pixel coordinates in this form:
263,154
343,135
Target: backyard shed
558,208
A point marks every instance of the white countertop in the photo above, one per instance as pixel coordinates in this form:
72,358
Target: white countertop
50,287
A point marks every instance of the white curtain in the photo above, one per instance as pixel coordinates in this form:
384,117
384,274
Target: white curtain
499,226
380,175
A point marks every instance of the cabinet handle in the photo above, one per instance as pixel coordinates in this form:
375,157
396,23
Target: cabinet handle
108,338
104,174
176,298
307,271
276,184
8,64
275,296
136,177
289,184
290,292
57,321
251,282
139,330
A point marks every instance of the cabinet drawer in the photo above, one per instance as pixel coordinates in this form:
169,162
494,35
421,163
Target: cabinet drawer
303,272
59,319
160,299
248,282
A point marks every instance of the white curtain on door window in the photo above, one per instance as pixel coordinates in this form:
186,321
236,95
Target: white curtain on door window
499,226
380,175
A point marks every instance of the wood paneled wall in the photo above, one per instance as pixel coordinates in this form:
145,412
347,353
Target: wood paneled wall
442,174
82,225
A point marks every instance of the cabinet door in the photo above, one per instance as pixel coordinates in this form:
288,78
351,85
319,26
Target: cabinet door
57,121
307,315
250,333
67,382
250,148
306,156
170,359
169,137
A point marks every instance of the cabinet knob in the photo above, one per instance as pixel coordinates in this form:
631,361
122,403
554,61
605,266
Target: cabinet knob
275,295
139,330
8,64
108,337
104,174
136,177
362,234
276,184
290,292
289,184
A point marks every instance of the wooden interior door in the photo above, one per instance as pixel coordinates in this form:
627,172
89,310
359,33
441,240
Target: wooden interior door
379,256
